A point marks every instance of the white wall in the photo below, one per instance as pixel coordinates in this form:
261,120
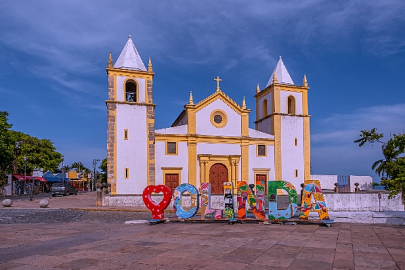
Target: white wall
366,182
179,160
120,88
292,156
269,98
362,202
131,153
265,125
284,101
203,122
327,181
256,162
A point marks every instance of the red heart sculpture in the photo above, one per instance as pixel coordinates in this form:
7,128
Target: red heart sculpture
157,209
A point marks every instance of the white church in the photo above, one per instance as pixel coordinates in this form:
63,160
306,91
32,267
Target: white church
210,141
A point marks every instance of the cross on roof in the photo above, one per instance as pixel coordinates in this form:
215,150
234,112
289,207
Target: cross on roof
218,80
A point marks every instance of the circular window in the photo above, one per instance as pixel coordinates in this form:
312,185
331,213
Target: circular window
218,118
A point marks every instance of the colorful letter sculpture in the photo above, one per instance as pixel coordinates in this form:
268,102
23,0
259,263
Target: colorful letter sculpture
206,211
229,212
245,194
313,188
260,195
156,209
292,208
177,196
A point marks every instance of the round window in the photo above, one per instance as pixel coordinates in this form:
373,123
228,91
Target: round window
218,118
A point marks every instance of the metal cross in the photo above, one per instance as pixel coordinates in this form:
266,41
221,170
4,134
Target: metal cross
218,80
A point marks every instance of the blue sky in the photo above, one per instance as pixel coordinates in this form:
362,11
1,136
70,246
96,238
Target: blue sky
53,56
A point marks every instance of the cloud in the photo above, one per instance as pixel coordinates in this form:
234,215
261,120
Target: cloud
333,150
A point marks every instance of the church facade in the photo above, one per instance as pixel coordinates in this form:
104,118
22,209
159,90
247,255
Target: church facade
210,141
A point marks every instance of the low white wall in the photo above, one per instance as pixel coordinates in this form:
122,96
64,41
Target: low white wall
362,202
327,181
365,182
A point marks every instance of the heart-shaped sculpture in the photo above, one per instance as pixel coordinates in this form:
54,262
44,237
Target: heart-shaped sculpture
157,209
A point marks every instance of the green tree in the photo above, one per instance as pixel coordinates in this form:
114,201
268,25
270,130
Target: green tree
40,153
80,167
103,168
391,168
6,147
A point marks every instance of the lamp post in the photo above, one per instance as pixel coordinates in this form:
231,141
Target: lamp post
25,175
63,171
94,172
83,178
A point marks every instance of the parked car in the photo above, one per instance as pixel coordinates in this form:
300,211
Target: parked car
64,190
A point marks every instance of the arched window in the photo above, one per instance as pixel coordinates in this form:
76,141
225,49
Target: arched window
130,91
265,108
291,105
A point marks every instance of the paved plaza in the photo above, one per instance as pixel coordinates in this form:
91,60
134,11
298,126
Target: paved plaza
105,242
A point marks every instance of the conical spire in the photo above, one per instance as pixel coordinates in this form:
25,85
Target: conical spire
304,81
281,73
110,61
257,89
130,58
244,103
150,66
190,101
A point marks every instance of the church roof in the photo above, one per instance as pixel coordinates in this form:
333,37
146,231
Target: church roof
172,130
282,74
258,134
130,58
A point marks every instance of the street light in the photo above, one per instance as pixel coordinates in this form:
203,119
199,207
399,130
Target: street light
94,172
83,178
63,171
25,177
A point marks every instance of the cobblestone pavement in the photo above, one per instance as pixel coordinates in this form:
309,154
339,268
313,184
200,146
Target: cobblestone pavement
65,236
102,245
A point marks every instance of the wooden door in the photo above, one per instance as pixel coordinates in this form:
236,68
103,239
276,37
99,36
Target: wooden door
218,175
172,181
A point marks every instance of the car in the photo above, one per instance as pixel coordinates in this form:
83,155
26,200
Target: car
63,189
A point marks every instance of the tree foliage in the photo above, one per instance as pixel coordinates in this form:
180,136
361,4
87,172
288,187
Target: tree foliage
40,153
391,168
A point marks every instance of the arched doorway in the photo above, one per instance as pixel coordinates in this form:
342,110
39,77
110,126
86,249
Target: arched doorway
218,175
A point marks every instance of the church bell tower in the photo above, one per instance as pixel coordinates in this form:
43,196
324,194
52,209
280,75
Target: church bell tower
282,111
130,123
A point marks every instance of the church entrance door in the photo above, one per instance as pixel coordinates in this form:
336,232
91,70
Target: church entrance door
218,175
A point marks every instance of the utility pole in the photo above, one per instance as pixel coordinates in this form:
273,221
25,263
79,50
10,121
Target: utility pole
94,172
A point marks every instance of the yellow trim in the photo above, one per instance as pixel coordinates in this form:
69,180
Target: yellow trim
192,161
219,95
126,173
257,150
130,73
223,116
191,122
124,87
172,154
171,170
245,160
277,145
245,125
307,150
125,134
212,139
